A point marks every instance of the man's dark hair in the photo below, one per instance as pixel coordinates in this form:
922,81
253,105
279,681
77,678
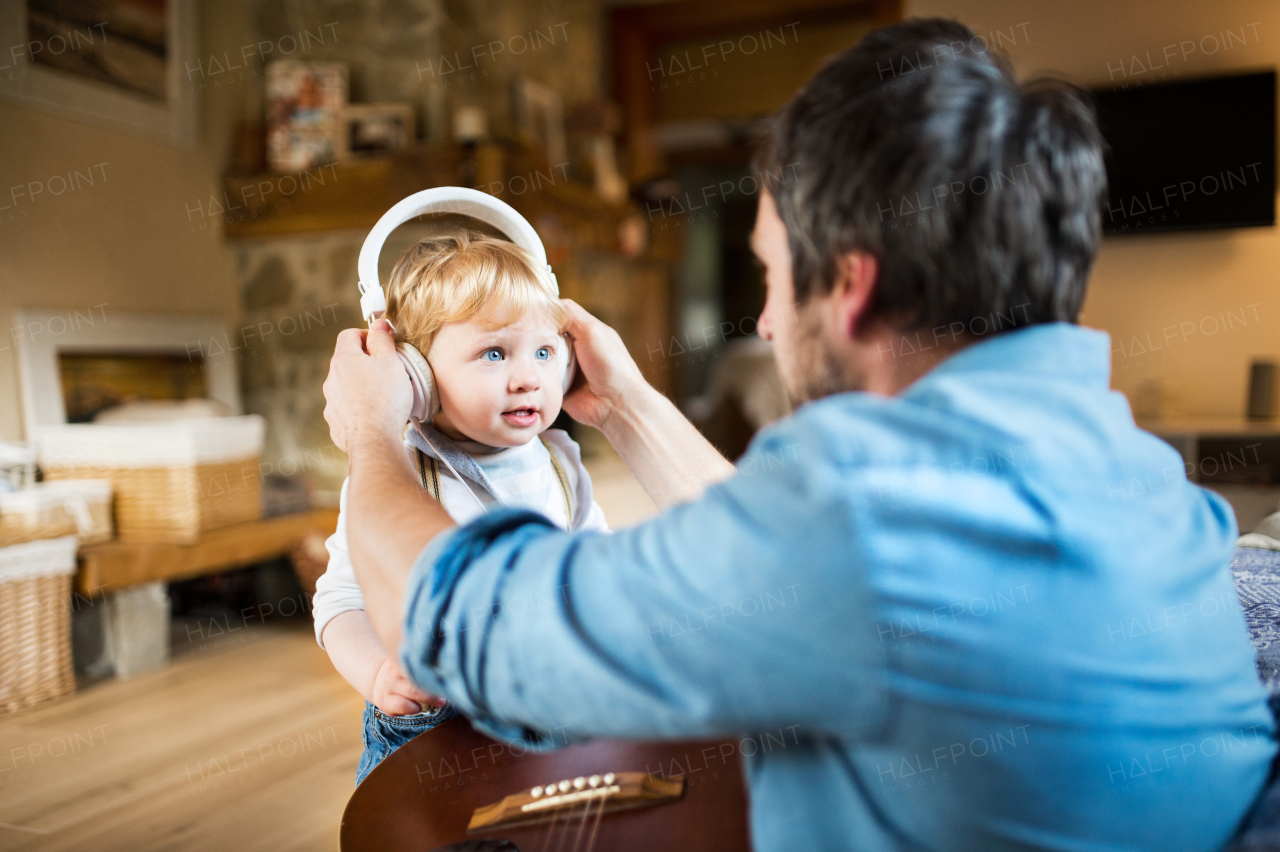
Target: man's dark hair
979,196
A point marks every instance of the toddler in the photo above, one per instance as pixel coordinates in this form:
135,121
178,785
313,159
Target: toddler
488,320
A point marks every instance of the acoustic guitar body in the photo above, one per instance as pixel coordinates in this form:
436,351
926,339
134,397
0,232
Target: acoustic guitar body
423,796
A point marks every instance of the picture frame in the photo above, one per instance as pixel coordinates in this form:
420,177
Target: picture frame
375,128
68,64
306,102
539,118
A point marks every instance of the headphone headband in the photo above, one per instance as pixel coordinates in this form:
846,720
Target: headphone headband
441,199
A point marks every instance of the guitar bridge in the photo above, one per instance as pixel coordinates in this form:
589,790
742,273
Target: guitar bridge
614,791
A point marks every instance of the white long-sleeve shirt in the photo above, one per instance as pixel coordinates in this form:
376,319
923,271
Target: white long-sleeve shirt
523,477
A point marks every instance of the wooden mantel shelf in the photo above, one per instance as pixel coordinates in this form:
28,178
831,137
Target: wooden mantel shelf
336,196
354,193
116,564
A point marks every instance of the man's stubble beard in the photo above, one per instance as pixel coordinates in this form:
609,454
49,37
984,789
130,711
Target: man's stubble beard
816,370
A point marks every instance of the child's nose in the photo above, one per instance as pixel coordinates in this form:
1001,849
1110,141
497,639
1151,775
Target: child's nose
525,378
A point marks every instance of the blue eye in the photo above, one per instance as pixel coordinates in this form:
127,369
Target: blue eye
492,355
543,354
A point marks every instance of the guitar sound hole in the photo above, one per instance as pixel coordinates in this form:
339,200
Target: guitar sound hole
479,846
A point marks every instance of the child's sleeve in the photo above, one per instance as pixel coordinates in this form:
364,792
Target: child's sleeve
337,589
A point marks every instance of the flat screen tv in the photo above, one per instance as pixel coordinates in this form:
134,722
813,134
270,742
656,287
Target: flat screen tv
1193,154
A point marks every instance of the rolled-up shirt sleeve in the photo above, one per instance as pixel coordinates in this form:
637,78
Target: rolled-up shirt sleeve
735,612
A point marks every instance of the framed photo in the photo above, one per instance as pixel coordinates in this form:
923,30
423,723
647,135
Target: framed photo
119,64
305,106
375,128
540,118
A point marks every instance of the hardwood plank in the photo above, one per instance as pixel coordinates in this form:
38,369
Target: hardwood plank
117,564
252,747
258,817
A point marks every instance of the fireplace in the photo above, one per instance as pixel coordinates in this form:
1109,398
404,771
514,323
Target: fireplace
73,364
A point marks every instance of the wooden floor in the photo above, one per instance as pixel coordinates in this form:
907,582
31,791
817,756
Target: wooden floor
245,744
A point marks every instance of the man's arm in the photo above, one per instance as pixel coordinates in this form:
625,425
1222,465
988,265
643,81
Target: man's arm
664,450
742,611
391,518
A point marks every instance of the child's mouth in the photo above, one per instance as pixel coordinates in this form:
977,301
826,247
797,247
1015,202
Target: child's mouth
521,416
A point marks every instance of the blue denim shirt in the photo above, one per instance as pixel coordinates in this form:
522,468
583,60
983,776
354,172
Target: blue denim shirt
988,613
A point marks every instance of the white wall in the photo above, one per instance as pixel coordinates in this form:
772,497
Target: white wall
124,243
1143,285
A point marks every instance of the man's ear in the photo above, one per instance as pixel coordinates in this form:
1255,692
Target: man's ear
859,275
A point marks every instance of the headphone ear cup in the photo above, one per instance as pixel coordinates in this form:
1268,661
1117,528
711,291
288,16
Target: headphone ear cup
568,364
426,402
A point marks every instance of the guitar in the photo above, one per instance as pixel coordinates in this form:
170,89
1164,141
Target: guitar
452,789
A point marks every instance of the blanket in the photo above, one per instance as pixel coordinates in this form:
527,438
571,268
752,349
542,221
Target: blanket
1256,571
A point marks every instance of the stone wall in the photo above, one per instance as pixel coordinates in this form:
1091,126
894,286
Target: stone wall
438,54
297,294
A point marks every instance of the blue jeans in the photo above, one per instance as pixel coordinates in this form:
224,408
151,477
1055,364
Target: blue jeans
384,734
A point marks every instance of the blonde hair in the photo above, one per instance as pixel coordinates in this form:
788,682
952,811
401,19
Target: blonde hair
455,277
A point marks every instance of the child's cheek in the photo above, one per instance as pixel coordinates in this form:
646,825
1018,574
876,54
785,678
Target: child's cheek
554,399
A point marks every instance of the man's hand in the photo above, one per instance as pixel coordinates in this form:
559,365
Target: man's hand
389,519
667,454
395,695
367,390
609,373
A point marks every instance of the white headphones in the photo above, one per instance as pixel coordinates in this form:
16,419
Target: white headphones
445,199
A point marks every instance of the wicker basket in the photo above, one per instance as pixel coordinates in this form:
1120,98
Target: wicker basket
88,501
49,510
35,622
172,480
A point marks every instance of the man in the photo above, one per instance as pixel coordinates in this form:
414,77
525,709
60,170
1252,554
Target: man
974,596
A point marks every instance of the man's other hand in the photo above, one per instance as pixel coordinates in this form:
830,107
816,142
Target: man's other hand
367,391
608,375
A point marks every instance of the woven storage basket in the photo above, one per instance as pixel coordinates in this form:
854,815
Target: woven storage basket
35,622
52,509
172,480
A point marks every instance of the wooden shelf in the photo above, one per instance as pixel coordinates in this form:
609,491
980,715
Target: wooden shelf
338,196
355,193
116,564
1211,426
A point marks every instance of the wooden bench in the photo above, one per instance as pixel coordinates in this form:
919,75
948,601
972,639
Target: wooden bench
115,564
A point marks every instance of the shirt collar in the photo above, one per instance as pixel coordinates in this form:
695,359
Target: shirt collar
1059,349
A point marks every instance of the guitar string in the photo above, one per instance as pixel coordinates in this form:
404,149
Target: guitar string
582,823
577,838
568,825
538,837
595,826
551,831
564,832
